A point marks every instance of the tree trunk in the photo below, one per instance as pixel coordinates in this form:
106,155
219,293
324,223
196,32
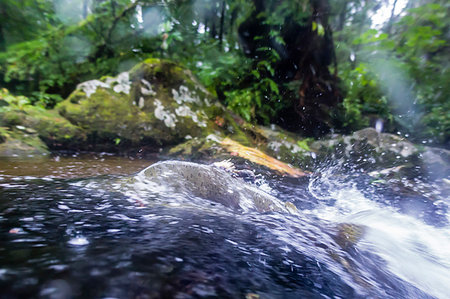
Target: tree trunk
305,57
342,17
2,36
2,39
222,20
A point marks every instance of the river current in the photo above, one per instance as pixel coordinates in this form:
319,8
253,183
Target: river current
72,227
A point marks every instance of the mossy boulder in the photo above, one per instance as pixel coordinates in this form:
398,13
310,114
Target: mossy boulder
20,142
155,104
26,126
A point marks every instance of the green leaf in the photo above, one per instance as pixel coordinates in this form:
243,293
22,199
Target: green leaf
320,30
273,86
256,74
304,144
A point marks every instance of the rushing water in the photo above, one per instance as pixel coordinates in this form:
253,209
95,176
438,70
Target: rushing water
72,227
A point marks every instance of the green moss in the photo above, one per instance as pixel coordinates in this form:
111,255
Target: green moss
54,129
159,71
11,117
49,125
186,148
104,112
17,142
234,130
76,97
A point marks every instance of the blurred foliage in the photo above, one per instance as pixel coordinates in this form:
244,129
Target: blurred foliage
397,72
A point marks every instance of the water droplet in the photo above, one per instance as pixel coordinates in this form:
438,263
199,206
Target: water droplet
78,241
379,125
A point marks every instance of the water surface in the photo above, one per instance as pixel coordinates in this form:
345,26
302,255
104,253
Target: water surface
71,228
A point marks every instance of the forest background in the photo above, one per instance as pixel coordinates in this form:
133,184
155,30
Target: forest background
310,66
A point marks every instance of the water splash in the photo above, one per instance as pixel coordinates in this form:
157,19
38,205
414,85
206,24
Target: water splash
412,250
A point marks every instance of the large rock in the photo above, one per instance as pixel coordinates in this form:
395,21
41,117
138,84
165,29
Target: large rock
155,104
368,148
28,130
393,163
20,142
214,182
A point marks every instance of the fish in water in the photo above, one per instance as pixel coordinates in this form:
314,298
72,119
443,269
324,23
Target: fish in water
214,182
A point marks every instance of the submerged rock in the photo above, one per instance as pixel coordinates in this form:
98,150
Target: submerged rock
213,183
349,234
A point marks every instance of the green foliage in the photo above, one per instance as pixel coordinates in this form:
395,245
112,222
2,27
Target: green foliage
76,43
50,63
231,74
400,75
261,101
12,102
364,98
304,144
423,47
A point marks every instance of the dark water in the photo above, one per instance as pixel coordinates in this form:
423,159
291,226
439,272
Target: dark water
69,230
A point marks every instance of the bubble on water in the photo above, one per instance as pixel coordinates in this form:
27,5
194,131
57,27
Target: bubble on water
78,241
63,207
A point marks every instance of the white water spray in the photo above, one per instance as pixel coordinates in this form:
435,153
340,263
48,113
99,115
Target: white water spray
413,251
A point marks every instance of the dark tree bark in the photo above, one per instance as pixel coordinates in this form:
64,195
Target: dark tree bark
2,39
342,17
212,18
222,20
2,35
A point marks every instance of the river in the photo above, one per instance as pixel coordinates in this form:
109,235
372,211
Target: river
70,230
